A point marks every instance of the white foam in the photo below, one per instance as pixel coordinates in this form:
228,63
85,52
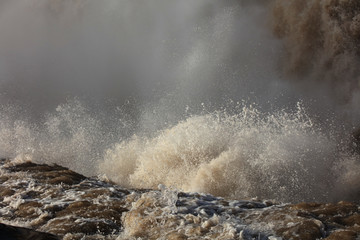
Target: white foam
282,156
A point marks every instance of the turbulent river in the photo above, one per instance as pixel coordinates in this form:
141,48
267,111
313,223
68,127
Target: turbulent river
239,99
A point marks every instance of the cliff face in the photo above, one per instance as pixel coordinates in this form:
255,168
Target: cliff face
56,200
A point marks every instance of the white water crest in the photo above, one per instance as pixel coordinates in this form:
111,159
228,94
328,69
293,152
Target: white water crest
147,92
280,155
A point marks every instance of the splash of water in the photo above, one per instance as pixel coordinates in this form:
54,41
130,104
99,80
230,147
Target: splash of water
167,56
280,155
71,136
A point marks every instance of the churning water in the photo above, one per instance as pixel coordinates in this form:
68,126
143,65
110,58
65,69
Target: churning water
232,98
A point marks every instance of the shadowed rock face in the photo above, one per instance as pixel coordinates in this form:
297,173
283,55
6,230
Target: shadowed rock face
18,233
67,205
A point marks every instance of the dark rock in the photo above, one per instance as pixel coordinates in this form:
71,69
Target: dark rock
34,167
8,232
52,174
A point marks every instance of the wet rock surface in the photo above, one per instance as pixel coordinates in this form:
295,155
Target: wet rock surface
53,202
59,201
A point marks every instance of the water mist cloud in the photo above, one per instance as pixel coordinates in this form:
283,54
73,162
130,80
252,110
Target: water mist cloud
145,88
321,41
152,60
195,51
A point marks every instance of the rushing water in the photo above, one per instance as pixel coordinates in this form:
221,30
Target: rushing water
232,98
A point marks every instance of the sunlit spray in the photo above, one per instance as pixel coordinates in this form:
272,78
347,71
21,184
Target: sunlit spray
219,97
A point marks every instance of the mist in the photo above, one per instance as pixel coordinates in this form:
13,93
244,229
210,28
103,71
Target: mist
321,51
145,51
103,86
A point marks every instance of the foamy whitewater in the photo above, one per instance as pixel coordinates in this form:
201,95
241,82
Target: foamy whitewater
211,97
66,205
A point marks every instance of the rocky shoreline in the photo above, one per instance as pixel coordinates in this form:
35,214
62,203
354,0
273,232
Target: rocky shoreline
40,201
